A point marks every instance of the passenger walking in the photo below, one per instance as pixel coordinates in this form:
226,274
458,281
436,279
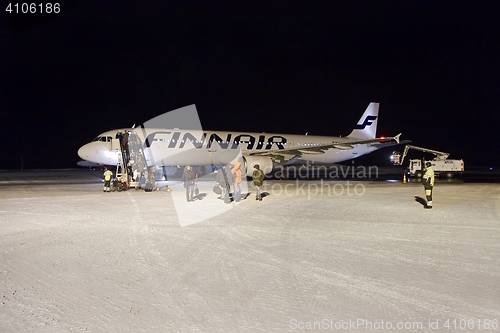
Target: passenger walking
225,181
142,181
258,177
236,172
188,179
428,184
108,174
228,177
218,183
126,144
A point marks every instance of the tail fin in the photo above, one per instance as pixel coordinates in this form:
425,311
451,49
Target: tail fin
366,128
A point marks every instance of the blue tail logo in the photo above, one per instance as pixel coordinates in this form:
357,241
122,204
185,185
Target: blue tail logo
367,122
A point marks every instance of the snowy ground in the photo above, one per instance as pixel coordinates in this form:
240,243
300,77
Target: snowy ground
307,258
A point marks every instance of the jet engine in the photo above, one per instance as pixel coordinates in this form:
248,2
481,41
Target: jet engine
266,164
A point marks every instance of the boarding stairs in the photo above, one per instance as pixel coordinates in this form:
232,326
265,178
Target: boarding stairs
131,161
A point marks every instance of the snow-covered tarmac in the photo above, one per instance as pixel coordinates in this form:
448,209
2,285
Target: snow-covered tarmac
75,259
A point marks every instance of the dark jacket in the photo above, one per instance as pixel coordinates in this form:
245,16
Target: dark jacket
188,177
225,174
258,177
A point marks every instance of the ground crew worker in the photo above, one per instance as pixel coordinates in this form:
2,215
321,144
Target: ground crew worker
428,184
108,174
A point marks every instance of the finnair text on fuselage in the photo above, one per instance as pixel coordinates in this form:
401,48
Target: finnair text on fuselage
178,139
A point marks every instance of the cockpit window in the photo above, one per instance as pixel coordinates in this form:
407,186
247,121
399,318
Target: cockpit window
103,139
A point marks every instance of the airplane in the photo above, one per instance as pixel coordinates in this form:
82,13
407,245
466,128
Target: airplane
173,147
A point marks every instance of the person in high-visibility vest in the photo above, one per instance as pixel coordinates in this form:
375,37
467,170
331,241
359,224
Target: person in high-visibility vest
108,174
428,184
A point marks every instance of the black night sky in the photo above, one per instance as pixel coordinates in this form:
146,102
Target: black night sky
264,66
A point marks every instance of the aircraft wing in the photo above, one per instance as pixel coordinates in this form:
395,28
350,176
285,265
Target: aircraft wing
388,144
284,155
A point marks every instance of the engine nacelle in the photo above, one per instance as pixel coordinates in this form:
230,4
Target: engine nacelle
266,164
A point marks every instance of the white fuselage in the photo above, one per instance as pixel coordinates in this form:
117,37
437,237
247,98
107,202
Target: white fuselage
171,147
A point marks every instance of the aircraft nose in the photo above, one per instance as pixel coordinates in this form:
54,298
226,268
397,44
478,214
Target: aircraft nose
85,152
97,153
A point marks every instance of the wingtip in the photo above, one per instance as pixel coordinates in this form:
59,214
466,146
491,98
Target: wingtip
397,137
